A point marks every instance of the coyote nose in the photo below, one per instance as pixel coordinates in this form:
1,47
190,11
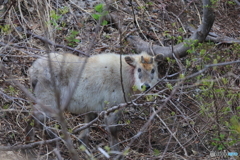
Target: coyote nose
145,87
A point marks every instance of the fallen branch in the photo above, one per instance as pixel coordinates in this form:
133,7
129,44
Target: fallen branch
180,49
216,38
221,39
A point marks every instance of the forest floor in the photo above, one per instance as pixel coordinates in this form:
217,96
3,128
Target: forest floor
200,117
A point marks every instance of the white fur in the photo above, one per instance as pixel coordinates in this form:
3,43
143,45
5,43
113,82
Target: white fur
99,86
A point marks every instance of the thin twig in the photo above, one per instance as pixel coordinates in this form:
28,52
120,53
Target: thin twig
17,46
57,153
24,89
54,44
172,134
28,146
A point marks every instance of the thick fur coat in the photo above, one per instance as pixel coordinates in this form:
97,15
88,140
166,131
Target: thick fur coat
98,80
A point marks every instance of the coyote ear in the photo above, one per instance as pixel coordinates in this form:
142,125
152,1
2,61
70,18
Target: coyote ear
130,60
158,58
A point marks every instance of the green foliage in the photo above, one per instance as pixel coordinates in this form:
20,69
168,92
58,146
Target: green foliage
192,44
107,36
181,76
141,7
32,123
150,97
180,30
106,102
104,23
179,39
188,63
235,125
11,90
63,10
12,135
57,126
214,1
107,148
149,3
176,39
5,106
90,156
231,2
100,12
128,121
134,88
171,61
70,130
216,98
156,152
173,24
218,142
143,88
82,148
5,28
169,86
125,152
71,39
56,16
96,16
99,8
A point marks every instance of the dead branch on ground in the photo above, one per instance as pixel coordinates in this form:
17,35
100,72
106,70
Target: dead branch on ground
180,49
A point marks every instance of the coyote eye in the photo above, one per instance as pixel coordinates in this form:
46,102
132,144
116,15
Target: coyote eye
152,71
139,73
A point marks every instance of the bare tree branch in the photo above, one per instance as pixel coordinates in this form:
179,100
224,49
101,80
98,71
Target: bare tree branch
217,38
180,49
236,1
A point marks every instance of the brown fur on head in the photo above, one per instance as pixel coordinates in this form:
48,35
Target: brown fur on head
145,69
